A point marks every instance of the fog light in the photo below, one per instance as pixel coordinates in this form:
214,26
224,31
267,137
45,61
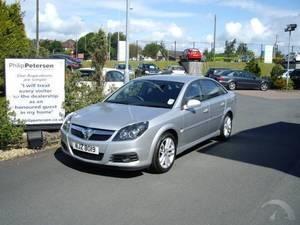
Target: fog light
125,158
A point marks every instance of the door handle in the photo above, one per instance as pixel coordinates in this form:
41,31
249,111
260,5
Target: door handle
205,110
222,104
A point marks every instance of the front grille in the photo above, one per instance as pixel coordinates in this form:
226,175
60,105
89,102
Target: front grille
77,133
91,134
86,155
126,157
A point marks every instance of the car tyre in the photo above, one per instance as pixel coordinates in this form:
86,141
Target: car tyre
226,128
264,86
164,154
232,86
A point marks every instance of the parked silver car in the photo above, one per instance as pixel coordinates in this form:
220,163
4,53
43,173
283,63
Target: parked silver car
148,121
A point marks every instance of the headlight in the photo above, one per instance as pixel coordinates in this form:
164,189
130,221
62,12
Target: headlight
67,123
131,132
147,72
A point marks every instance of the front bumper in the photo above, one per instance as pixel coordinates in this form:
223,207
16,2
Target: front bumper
108,150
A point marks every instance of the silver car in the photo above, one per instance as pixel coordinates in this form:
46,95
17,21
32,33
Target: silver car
149,121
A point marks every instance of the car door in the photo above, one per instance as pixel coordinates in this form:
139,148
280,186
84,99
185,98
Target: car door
214,95
253,81
194,119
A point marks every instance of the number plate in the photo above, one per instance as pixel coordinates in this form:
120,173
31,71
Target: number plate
86,148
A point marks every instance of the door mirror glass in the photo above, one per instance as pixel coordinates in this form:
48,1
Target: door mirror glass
192,103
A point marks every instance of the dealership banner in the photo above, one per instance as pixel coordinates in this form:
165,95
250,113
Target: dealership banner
35,89
268,54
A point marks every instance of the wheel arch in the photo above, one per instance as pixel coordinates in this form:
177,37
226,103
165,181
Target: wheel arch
165,129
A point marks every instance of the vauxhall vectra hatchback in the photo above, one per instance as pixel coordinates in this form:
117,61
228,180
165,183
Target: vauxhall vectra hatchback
148,121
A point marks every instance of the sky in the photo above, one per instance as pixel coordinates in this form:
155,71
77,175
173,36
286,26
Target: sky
186,21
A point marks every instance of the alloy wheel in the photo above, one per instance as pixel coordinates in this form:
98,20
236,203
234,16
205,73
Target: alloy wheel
166,153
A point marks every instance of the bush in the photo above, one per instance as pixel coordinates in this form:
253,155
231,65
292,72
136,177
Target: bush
80,93
278,60
253,67
280,83
10,134
277,70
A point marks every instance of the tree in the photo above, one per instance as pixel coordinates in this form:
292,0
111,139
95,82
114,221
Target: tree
253,67
85,44
134,50
13,40
113,37
153,48
208,55
277,70
99,53
242,49
230,48
55,46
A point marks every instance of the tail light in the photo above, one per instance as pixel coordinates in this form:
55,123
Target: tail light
219,78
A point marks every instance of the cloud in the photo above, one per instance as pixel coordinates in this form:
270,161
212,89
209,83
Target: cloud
209,38
141,8
251,31
233,29
149,30
259,8
52,26
175,31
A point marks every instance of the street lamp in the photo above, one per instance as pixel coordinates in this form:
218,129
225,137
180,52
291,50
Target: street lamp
289,28
127,44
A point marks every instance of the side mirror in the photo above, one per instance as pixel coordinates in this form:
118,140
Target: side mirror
192,103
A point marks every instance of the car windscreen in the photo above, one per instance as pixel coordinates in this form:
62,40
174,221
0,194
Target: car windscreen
150,66
151,93
114,76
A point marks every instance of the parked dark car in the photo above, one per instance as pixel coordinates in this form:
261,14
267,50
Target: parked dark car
295,77
70,61
146,69
191,54
240,79
64,56
215,71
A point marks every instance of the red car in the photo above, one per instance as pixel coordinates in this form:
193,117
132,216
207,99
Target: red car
191,54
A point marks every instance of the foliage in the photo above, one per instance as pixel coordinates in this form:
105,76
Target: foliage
80,93
43,52
52,46
209,55
277,70
10,134
85,45
253,67
280,83
242,49
279,57
13,40
230,48
114,43
151,50
134,50
99,54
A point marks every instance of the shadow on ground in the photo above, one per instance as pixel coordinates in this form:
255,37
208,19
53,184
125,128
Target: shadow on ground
275,146
93,169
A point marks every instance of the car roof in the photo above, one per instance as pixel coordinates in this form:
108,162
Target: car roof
175,78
